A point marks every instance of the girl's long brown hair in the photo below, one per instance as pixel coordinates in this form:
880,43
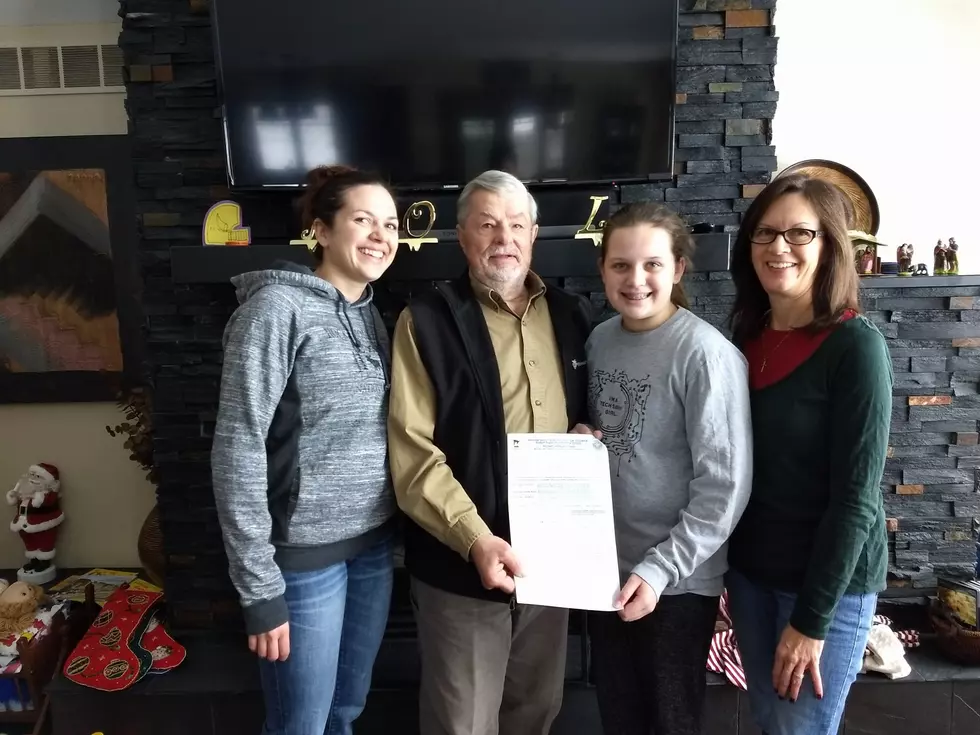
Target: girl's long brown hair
835,283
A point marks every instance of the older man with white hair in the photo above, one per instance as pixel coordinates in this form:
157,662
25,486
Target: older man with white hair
494,352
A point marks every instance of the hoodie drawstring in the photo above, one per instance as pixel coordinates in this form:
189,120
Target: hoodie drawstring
348,324
366,313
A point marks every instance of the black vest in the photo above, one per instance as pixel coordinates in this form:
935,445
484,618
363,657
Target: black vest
454,343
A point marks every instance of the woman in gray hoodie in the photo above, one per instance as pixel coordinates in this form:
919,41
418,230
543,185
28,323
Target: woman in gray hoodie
299,460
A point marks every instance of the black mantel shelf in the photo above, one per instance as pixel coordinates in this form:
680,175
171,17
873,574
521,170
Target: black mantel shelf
920,281
200,264
553,258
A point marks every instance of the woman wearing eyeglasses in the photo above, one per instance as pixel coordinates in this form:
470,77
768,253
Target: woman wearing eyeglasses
810,553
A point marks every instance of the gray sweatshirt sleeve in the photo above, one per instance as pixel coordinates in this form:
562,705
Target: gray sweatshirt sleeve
259,349
719,432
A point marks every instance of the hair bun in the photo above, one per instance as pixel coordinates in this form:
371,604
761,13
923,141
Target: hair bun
316,179
320,175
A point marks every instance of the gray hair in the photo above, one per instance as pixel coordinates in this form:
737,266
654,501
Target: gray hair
497,182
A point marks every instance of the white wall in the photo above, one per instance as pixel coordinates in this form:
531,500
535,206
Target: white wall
44,12
888,88
105,495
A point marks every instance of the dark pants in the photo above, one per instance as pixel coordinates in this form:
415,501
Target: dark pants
488,669
650,674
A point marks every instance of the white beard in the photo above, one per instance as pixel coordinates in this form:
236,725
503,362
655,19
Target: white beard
27,487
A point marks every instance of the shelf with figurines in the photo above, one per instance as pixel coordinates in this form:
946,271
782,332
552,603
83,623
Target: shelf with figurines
869,263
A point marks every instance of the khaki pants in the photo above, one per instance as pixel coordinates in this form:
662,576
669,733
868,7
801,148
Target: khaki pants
487,669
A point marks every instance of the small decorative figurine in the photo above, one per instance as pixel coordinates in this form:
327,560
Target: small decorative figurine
37,519
952,259
921,270
867,261
939,259
905,252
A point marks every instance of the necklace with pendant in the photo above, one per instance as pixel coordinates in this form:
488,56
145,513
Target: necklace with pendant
765,360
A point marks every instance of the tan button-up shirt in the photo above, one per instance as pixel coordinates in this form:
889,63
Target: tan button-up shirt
533,393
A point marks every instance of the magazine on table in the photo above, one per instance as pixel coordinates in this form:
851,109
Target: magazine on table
103,581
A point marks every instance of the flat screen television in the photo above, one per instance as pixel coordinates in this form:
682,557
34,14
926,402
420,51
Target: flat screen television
431,92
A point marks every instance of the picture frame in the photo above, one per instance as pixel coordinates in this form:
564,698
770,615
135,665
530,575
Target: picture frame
70,310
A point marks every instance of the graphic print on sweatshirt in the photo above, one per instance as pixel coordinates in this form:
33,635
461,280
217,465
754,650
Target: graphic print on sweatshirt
620,405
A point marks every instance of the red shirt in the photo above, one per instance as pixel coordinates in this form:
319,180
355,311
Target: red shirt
775,354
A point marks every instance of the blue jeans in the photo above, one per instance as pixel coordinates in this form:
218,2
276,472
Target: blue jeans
759,616
337,617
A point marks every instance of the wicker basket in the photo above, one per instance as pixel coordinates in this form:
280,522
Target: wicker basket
953,640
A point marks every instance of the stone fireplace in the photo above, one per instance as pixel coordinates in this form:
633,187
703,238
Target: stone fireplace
725,103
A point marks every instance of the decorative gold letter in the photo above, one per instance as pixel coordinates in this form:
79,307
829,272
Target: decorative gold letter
307,238
588,232
414,212
223,225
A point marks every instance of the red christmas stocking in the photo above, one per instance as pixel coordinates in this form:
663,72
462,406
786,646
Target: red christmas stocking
109,657
167,653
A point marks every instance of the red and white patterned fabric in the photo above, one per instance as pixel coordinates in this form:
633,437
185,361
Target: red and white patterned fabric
908,638
723,656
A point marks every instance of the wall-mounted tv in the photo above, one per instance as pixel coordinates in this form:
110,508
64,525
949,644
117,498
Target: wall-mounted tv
431,92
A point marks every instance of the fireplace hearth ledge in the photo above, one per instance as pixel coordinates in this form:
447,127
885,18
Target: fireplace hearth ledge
216,692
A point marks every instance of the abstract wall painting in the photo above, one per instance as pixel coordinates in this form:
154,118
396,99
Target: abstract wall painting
57,291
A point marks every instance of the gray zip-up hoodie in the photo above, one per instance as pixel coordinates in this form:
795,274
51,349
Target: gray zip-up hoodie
299,460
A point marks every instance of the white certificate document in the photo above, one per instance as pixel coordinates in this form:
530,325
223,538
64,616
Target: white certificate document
561,521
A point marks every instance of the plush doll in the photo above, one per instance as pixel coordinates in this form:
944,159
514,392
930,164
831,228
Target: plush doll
18,606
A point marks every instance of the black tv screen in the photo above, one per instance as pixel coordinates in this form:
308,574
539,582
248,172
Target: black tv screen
432,92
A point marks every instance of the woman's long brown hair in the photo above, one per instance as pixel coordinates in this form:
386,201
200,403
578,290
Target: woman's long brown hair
835,284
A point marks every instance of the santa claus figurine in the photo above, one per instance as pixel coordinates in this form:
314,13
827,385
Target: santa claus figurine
37,519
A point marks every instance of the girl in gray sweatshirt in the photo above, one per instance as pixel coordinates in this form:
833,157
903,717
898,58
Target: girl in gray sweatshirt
670,395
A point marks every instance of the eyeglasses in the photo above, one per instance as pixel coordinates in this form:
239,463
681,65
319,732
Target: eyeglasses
794,235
